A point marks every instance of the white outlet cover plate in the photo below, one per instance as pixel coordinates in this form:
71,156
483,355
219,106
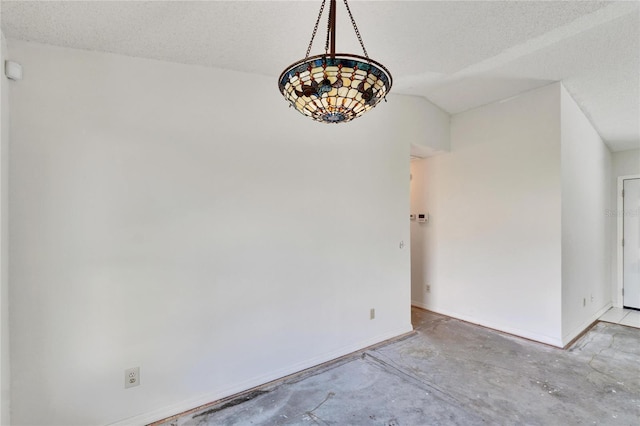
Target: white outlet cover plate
131,377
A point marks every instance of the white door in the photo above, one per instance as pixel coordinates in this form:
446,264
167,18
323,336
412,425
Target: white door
631,235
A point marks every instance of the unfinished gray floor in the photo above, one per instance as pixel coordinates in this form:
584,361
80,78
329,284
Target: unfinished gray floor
453,373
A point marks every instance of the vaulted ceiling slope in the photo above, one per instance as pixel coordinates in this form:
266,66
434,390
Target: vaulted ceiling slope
457,54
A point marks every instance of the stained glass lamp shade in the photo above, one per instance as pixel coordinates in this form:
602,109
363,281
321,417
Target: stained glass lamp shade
334,88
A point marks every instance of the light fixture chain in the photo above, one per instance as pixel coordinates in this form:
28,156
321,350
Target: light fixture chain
326,43
315,29
355,28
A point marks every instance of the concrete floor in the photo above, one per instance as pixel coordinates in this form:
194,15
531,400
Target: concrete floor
453,373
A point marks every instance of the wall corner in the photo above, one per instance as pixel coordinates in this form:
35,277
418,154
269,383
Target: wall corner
5,370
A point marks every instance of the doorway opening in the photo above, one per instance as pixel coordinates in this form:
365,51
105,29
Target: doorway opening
629,259
418,220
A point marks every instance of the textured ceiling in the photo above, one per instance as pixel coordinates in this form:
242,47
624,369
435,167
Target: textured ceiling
458,54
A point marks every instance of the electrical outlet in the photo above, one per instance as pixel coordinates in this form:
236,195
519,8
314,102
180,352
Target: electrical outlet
591,297
131,377
372,313
428,288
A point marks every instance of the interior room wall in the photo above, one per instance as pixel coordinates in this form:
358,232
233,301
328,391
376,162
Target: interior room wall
5,390
184,220
624,163
586,196
493,241
423,118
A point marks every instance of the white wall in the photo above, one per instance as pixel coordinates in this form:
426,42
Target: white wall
429,126
519,239
624,163
216,240
493,243
586,195
5,390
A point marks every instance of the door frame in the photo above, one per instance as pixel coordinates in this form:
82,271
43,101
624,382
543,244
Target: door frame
618,300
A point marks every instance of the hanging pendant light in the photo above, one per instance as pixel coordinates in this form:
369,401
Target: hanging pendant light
334,87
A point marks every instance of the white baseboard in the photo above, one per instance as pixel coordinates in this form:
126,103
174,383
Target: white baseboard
172,410
419,305
549,340
576,331
518,332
